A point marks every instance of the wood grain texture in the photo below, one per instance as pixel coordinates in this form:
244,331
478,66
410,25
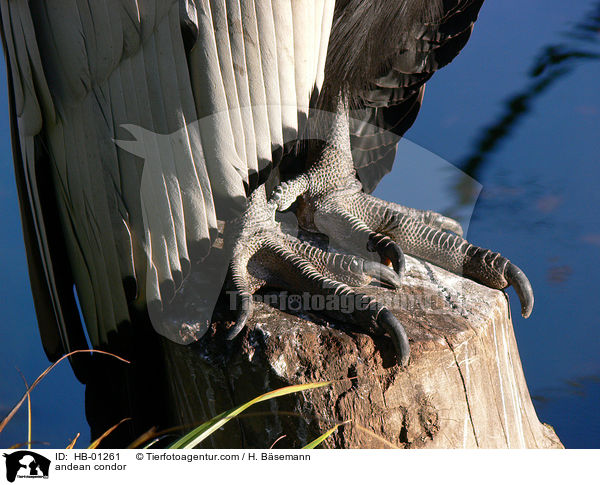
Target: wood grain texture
464,386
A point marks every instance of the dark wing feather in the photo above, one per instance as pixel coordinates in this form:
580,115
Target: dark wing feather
50,278
397,47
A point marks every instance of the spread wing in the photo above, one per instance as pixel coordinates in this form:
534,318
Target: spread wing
197,94
402,44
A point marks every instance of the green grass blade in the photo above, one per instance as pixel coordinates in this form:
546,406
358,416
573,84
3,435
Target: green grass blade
200,433
316,442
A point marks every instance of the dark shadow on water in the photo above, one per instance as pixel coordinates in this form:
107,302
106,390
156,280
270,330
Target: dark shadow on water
552,64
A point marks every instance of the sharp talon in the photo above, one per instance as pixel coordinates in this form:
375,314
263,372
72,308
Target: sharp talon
401,264
388,250
395,254
395,330
517,279
383,273
243,316
239,324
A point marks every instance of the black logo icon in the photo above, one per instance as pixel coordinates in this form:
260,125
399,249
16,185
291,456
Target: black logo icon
26,464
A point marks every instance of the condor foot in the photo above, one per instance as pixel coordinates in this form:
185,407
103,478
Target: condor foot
263,256
331,201
356,221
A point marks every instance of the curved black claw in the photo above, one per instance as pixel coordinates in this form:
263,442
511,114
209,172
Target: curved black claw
388,250
383,273
392,326
244,302
517,279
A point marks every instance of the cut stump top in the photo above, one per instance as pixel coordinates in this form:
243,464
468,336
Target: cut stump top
464,386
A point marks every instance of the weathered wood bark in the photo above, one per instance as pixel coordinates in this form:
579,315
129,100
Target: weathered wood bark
464,386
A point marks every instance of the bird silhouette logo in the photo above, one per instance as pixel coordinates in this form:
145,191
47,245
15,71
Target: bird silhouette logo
26,464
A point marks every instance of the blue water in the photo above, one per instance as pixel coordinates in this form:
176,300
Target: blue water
538,206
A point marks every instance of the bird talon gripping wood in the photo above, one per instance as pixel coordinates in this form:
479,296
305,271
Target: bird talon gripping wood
264,256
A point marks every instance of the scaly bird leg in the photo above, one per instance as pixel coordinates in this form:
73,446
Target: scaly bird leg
333,203
264,255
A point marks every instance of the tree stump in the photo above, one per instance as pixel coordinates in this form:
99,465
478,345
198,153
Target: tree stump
463,388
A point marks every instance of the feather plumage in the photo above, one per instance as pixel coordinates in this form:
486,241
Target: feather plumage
138,123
